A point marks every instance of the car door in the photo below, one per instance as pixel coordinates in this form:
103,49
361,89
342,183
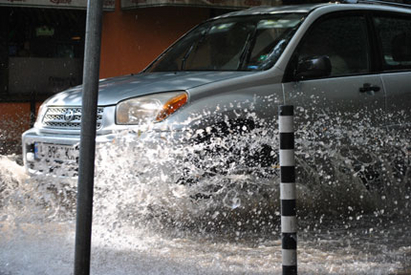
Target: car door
338,95
394,37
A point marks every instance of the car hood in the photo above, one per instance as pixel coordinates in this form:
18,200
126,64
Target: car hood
116,89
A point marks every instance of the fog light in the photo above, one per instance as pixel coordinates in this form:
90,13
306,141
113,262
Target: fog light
30,157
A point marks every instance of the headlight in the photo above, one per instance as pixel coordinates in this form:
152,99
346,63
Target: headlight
148,109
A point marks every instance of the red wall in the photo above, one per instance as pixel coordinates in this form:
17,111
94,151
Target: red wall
14,120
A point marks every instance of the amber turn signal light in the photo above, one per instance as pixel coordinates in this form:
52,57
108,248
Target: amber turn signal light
171,106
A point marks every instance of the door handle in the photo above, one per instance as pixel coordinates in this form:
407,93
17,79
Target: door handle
367,87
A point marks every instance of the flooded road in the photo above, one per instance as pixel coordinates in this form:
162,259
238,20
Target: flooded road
48,249
37,228
148,220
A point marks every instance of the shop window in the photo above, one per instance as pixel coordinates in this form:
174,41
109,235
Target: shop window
44,50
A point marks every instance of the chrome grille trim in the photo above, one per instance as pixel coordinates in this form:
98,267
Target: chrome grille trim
55,117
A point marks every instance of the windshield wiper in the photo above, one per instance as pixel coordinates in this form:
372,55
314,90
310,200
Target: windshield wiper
195,44
247,49
184,60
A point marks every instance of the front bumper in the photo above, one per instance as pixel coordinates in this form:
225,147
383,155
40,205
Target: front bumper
35,163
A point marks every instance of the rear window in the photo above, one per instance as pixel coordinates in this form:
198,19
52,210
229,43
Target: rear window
394,34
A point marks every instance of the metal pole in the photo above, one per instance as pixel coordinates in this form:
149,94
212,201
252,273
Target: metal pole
88,137
288,190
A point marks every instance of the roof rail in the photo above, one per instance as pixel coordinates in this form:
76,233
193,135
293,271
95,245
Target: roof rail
379,2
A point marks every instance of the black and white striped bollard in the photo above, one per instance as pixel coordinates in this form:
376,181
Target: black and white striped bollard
288,190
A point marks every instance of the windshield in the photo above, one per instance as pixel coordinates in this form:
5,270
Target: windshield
231,44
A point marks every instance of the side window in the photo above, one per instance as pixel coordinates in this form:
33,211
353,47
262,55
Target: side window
395,39
343,39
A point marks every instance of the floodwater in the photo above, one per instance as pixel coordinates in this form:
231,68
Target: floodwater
163,209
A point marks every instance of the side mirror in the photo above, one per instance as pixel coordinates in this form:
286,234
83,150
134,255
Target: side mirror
313,67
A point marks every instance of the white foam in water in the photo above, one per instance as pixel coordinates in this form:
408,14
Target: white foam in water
195,209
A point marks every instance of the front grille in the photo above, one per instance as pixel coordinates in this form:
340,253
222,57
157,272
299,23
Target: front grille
67,117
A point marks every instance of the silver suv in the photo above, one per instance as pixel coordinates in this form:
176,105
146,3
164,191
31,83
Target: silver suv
339,64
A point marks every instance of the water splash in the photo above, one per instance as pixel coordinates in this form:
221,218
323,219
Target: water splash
353,167
212,207
191,186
